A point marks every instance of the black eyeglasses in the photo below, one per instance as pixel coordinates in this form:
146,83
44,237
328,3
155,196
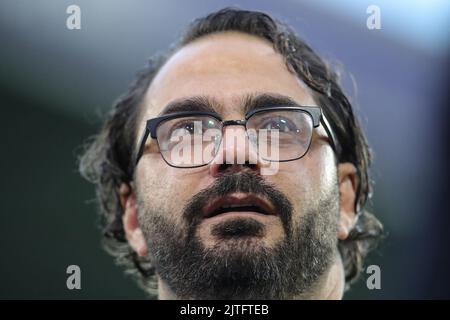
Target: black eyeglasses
192,138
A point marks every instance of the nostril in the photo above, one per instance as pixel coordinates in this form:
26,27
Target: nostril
224,167
227,167
249,165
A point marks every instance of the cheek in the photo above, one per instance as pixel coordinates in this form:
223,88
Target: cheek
307,179
154,189
318,167
162,190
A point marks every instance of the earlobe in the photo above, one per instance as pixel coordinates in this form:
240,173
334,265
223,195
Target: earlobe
130,220
347,192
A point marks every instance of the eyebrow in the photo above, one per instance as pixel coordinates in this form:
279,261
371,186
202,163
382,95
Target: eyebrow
248,103
257,101
197,103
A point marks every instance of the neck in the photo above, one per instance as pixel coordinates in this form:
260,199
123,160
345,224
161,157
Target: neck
329,287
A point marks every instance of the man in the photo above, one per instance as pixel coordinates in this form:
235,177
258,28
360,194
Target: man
234,168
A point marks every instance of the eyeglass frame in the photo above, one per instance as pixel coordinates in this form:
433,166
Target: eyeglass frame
315,112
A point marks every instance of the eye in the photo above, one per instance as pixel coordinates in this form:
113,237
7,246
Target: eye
282,124
187,126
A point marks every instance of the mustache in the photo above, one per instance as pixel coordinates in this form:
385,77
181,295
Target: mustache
245,182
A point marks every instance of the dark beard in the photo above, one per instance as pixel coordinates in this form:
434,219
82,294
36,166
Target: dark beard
239,267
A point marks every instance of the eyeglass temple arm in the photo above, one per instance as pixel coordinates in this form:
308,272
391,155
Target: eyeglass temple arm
141,146
334,142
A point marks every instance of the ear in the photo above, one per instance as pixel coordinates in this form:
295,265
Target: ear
347,190
130,221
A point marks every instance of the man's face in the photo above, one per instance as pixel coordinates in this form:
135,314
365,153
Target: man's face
240,253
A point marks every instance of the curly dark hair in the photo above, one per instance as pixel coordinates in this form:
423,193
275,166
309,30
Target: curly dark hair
107,160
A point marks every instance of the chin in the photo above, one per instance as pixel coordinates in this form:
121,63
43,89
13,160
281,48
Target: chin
240,232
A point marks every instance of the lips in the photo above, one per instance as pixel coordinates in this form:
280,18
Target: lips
238,202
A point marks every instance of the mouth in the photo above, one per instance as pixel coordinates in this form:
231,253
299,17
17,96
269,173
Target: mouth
238,204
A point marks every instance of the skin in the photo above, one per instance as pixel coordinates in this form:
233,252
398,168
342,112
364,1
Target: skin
228,66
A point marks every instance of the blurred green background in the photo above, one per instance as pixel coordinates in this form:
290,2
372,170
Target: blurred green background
56,83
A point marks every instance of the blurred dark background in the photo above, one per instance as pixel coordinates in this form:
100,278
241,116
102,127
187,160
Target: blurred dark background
55,83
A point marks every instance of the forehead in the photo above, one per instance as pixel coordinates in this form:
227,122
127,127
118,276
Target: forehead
226,67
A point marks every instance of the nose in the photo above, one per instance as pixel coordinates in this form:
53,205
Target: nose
235,153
